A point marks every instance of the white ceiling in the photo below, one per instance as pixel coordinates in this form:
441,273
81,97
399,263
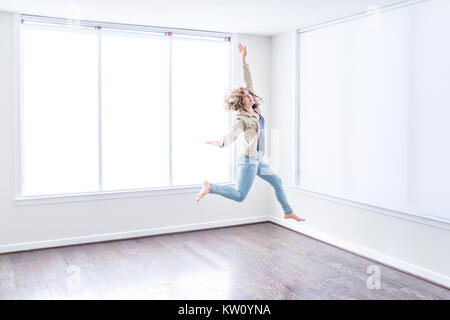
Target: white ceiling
265,17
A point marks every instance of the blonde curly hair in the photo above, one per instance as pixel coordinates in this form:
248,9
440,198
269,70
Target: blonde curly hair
234,98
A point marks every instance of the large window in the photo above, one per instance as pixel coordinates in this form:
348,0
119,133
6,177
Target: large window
109,108
373,110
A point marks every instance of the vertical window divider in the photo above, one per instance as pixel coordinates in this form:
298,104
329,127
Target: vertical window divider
296,155
232,152
19,110
100,145
169,34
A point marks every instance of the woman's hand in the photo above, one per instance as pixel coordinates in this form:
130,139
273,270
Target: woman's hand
214,142
243,51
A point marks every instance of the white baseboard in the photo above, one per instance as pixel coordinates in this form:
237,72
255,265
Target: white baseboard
425,274
128,234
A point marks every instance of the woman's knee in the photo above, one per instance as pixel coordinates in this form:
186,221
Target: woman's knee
242,197
276,179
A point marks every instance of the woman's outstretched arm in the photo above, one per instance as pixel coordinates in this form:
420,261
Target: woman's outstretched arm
246,75
230,137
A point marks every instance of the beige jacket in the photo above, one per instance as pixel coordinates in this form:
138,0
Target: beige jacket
245,125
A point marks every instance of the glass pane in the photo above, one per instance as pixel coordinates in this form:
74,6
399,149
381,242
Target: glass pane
429,149
374,114
354,137
322,116
377,113
135,111
200,80
60,120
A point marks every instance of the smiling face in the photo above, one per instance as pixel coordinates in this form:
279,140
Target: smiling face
241,98
248,100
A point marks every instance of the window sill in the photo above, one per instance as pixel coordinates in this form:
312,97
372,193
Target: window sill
103,195
410,216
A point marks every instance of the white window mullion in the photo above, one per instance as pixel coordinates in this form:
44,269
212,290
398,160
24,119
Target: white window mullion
18,82
232,166
170,111
100,153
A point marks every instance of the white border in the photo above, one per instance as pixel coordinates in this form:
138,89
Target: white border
410,216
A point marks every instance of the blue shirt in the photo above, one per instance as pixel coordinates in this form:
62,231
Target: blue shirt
261,139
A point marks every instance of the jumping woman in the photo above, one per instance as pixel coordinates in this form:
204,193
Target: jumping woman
248,125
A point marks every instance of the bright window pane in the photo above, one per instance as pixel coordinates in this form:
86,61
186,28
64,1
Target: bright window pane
200,80
353,138
60,119
135,111
374,113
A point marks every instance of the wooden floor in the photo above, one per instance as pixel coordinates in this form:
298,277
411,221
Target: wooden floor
256,261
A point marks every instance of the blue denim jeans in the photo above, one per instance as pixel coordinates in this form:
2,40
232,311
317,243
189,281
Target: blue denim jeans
248,168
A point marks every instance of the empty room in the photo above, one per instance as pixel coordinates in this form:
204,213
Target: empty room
224,150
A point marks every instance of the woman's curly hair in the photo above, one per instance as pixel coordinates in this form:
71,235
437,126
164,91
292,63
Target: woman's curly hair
234,99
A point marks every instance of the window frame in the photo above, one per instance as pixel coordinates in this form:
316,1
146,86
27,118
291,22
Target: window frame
433,221
19,198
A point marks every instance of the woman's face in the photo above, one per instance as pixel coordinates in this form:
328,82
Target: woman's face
248,100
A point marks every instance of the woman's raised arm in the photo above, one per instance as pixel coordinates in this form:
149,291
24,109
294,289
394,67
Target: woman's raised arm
246,75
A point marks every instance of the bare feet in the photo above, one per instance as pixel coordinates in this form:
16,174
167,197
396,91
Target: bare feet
293,216
205,190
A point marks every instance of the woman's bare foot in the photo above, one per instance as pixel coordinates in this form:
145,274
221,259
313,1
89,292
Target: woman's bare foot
205,190
293,216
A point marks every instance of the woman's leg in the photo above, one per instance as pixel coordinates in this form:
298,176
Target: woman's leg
267,174
247,168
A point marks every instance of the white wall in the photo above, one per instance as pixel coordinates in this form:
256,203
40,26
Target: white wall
26,226
412,246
